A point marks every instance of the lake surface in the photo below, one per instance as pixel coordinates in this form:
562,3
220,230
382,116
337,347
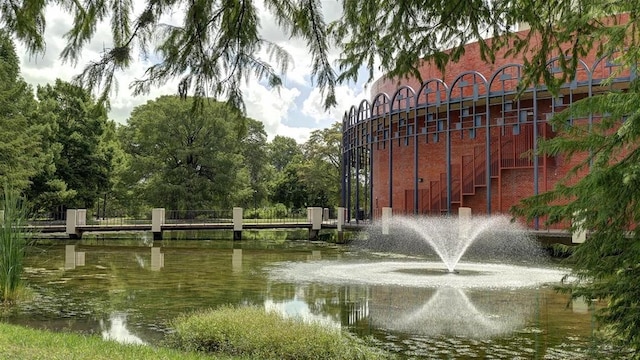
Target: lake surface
128,291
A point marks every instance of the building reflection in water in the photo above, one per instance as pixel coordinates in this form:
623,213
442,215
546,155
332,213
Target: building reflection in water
115,329
73,258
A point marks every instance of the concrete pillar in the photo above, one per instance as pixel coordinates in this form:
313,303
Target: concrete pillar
341,213
316,217
464,222
237,223
72,223
325,214
387,213
157,220
81,217
579,235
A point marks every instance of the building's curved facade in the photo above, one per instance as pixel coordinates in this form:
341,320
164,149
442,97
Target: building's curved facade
460,139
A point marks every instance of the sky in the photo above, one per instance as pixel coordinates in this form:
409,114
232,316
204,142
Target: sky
293,110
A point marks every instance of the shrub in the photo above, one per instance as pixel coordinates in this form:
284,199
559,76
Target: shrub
256,333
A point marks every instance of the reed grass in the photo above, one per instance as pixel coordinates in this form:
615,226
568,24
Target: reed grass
13,242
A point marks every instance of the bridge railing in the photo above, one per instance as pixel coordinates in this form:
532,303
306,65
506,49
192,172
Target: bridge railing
115,218
276,216
199,216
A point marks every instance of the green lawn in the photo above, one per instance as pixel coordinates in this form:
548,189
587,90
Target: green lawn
22,343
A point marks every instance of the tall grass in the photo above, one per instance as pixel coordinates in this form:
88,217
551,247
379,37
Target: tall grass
255,333
13,241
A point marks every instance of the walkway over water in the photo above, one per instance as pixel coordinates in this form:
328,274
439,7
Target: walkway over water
315,220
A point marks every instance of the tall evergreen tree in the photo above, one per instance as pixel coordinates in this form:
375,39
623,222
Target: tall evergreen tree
20,155
80,167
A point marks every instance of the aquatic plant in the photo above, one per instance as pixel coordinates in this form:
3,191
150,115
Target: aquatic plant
13,242
259,334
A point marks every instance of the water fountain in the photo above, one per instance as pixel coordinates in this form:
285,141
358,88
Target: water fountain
418,277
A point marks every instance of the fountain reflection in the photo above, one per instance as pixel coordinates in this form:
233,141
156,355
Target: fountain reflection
115,329
448,311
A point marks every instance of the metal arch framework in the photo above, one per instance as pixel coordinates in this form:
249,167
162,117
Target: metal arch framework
391,137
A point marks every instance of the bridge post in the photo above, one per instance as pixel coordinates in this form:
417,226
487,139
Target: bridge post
75,218
340,223
387,213
237,223
315,217
157,220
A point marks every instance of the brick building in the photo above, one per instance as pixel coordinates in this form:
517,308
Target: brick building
462,138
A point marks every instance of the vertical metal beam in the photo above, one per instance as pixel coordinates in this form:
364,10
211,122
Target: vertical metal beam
390,140
448,153
358,154
348,164
415,159
488,151
343,174
536,175
371,167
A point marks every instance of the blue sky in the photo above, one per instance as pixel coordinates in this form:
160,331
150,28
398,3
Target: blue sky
295,110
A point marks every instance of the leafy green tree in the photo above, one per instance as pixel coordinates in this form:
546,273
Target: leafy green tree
20,153
183,160
282,150
322,167
311,173
254,151
80,168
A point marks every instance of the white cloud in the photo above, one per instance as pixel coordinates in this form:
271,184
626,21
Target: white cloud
346,97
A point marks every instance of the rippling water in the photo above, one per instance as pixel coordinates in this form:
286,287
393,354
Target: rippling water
127,291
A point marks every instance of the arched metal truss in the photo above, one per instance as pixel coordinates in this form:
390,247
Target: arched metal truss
391,144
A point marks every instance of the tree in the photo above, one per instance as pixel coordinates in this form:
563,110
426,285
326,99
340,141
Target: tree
322,167
310,174
254,151
20,153
186,161
282,150
80,168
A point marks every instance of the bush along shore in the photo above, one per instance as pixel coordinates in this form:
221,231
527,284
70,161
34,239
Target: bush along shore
227,333
259,334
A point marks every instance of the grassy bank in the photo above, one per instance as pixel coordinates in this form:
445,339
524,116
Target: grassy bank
258,334
27,344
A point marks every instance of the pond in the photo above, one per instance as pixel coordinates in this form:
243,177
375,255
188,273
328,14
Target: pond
129,290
